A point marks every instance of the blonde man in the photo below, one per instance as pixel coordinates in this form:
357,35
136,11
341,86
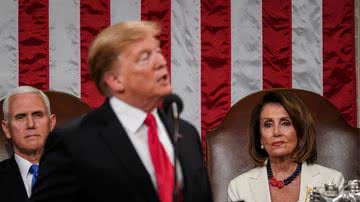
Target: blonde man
123,150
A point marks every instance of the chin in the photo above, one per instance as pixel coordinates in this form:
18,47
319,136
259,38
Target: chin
279,154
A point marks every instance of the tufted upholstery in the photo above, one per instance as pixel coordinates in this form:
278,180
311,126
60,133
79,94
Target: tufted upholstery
227,155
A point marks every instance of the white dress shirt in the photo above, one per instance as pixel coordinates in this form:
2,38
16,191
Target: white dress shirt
24,166
132,119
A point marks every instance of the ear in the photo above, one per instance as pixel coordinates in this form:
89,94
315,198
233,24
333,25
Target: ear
5,127
113,79
52,122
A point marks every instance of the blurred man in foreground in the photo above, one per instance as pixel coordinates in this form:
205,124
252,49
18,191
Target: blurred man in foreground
124,149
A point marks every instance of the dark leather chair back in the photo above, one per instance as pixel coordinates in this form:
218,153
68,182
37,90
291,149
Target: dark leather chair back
63,105
227,153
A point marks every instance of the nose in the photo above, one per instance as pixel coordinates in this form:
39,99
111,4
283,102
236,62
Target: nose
276,130
160,60
30,122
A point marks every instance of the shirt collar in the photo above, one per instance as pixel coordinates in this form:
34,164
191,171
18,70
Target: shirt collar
130,116
24,165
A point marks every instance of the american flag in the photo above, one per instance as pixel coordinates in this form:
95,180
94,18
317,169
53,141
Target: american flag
218,51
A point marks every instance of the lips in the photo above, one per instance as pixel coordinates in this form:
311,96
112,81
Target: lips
32,136
277,143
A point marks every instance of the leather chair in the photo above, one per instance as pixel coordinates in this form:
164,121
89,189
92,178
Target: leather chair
227,154
63,105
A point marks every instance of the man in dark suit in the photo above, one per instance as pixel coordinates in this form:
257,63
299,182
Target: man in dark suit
27,123
123,151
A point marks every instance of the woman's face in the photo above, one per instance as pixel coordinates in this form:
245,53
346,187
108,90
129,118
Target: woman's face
278,135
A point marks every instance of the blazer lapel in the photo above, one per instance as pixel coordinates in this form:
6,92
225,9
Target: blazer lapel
309,179
259,185
119,143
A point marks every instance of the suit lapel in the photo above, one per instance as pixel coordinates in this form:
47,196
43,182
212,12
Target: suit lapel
185,160
119,143
15,183
259,185
168,123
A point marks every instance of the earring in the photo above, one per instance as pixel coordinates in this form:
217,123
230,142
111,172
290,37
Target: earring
262,146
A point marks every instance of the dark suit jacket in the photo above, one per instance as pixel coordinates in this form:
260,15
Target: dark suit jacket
94,161
12,187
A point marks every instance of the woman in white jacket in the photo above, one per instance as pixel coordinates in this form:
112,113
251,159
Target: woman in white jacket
283,145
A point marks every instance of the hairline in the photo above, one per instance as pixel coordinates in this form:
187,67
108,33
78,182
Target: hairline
281,96
23,90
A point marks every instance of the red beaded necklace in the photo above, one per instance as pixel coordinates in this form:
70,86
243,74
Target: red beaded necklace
281,183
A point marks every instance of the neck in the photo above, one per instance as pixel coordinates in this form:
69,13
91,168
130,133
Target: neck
145,104
33,157
282,168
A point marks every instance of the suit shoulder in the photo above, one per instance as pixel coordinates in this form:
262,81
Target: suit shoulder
324,170
99,116
90,117
76,128
249,174
64,132
328,175
187,124
89,120
6,164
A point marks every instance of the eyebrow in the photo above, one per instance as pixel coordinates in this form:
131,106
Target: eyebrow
19,114
38,111
24,113
285,117
143,51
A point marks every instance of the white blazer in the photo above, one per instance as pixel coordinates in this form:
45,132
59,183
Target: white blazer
253,186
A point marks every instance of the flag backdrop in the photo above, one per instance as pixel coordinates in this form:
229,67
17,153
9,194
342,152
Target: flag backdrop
218,51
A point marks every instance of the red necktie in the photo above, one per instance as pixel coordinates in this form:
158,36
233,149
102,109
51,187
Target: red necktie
163,168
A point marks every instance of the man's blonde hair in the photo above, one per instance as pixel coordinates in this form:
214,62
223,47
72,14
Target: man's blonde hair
111,42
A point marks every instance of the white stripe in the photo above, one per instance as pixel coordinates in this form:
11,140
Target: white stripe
125,10
64,46
307,45
185,57
246,48
8,46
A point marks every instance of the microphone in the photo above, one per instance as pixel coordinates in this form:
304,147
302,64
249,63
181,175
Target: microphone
173,106
171,103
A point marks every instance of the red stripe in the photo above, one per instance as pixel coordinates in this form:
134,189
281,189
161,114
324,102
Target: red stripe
160,11
34,43
339,76
276,43
94,16
215,63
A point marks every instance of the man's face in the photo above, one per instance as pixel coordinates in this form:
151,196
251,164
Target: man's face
143,71
29,123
